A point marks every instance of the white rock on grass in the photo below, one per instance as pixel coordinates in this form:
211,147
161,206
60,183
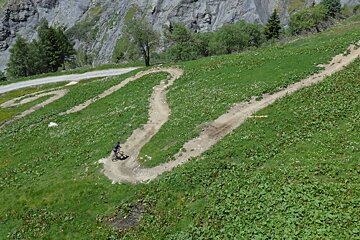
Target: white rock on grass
52,124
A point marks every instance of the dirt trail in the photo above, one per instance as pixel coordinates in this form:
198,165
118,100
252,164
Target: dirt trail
56,94
131,171
173,71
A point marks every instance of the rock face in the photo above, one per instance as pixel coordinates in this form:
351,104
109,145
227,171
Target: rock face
102,20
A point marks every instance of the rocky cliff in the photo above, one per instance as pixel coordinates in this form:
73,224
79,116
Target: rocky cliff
95,25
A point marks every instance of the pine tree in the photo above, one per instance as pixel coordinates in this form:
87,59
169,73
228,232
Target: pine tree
273,27
333,6
66,48
47,54
49,49
19,59
55,47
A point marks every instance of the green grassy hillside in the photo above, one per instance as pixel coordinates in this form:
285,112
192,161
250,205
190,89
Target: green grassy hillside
294,174
212,85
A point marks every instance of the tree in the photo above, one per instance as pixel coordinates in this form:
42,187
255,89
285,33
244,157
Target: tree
183,43
34,52
356,9
83,58
125,51
308,19
254,33
65,46
2,76
230,38
142,34
333,6
51,51
55,48
19,59
273,27
236,37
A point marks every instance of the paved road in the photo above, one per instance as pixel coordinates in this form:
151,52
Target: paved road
65,78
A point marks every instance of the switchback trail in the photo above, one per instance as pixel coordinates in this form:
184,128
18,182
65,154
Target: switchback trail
131,171
56,94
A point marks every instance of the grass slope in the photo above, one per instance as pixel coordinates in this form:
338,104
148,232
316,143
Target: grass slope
211,86
293,175
8,113
52,187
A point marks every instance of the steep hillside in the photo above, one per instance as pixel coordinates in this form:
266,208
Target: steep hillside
292,174
96,25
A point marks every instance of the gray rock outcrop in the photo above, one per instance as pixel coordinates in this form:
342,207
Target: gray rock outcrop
102,20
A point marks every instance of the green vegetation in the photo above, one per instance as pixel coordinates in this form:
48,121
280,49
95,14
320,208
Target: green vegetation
48,54
132,13
232,79
53,201
2,76
273,27
333,6
2,4
184,44
293,175
318,17
141,34
125,51
356,9
8,113
308,19
296,5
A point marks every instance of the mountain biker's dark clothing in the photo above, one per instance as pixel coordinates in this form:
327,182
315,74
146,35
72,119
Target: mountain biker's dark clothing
116,148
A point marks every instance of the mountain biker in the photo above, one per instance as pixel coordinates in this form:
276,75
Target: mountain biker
116,149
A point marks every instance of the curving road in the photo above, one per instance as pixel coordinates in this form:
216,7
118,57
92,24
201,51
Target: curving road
65,78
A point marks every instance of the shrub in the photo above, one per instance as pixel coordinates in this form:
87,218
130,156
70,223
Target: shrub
333,7
356,9
308,19
2,76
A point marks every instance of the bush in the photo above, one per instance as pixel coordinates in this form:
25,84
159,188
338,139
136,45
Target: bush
183,43
333,7
237,37
356,9
2,76
308,19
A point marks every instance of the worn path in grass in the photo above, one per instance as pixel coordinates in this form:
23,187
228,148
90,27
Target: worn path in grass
55,95
131,171
66,78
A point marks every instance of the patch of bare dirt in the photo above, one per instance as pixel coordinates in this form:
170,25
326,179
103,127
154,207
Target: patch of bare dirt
124,223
